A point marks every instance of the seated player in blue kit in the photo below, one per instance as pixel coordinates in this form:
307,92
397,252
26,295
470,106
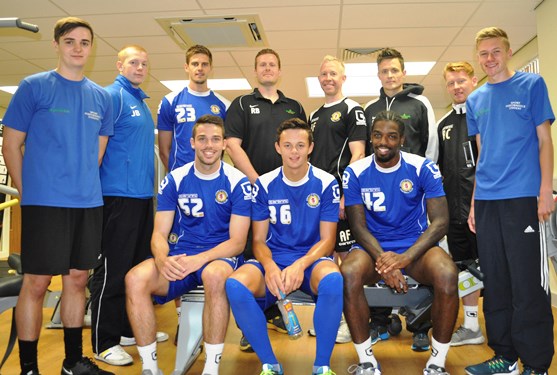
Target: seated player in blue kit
295,213
213,201
389,197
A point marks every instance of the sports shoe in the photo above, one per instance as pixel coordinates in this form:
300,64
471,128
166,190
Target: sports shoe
32,372
435,370
129,341
420,342
276,323
465,336
245,346
530,371
378,332
497,365
343,333
395,326
324,370
85,366
149,372
365,368
268,370
115,356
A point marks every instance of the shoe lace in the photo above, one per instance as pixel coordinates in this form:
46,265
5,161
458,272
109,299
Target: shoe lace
354,368
496,363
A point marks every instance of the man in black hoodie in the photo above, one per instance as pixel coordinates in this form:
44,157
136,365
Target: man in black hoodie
407,100
420,133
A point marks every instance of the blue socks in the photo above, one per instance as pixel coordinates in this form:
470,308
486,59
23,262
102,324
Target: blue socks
327,315
251,320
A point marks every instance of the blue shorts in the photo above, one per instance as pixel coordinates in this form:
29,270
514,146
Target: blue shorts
191,281
270,299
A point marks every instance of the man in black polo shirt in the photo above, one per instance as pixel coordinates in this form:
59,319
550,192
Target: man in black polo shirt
250,130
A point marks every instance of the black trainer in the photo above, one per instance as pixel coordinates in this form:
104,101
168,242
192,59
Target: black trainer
245,346
32,372
85,366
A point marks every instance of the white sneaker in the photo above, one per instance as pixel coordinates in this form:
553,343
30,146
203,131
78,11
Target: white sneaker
115,356
465,336
343,333
129,341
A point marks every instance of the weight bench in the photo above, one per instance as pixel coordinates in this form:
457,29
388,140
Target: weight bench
9,293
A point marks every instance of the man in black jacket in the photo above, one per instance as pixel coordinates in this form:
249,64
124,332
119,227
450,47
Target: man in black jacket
457,162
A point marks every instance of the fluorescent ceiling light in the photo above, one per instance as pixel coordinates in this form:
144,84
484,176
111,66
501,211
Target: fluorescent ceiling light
9,89
214,84
362,80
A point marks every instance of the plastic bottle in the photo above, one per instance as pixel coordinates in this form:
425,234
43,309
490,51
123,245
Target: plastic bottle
290,319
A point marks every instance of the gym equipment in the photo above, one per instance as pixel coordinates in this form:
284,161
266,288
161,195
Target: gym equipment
17,23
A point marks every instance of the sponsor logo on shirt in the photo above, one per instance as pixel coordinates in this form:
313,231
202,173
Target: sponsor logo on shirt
246,189
515,106
221,196
313,200
290,112
59,110
335,117
360,118
92,115
406,186
215,109
405,116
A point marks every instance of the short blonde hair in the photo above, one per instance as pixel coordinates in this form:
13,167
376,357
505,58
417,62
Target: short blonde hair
492,32
123,53
461,66
330,58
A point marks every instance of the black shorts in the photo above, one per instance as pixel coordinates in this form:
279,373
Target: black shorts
345,240
462,242
57,239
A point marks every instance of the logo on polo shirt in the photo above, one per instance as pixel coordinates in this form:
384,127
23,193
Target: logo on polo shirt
215,109
254,109
335,117
290,112
221,196
313,200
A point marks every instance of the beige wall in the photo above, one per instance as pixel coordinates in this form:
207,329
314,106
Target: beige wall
547,41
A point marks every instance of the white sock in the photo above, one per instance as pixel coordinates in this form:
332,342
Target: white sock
365,354
148,355
438,353
471,318
213,354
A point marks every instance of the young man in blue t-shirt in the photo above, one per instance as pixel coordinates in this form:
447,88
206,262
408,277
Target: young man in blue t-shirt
64,121
295,214
213,202
511,116
389,197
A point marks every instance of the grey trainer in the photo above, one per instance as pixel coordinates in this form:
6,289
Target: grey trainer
465,336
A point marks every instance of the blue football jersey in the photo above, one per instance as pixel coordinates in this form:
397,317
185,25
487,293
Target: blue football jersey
295,210
204,204
394,199
178,112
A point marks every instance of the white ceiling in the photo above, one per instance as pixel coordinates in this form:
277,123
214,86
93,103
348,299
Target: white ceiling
301,31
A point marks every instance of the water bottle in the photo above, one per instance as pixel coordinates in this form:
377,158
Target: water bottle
290,319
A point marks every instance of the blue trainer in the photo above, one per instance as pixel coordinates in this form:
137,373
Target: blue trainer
497,365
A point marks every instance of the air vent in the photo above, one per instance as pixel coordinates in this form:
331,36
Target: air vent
348,54
215,31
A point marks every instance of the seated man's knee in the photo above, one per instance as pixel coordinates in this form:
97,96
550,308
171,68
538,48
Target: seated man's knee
331,284
352,273
215,276
136,280
446,279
